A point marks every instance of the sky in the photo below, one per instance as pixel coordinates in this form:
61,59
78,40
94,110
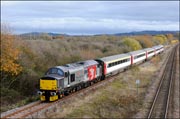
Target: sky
90,17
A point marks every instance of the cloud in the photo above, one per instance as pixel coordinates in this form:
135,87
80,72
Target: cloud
91,17
76,25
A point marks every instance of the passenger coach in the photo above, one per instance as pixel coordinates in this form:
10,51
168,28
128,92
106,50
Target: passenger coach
158,49
137,56
116,63
149,53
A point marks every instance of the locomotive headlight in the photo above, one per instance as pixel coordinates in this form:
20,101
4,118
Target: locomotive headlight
39,92
53,93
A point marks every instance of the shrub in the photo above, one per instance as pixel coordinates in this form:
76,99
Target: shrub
9,96
145,41
161,39
132,43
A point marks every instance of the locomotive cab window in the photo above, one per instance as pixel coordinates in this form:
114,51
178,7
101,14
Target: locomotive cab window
60,72
55,71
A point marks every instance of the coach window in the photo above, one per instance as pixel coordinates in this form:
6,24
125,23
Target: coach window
72,77
150,52
109,65
120,61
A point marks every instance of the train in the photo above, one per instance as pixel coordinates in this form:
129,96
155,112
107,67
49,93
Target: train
60,81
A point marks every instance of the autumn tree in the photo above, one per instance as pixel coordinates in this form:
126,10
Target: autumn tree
145,40
132,43
170,36
45,36
9,53
161,39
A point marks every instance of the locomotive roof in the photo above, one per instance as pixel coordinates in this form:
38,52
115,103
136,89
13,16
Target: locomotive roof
136,52
88,63
114,57
77,65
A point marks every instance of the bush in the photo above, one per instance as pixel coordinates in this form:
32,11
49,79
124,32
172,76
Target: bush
145,41
132,43
161,39
9,96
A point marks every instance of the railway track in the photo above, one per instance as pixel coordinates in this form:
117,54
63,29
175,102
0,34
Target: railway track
159,107
29,110
22,111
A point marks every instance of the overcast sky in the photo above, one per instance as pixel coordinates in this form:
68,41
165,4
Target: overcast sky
90,17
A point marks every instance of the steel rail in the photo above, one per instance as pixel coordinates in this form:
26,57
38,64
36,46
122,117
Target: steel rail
21,110
160,84
171,83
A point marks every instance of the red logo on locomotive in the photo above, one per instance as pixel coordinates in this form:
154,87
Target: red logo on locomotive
92,72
